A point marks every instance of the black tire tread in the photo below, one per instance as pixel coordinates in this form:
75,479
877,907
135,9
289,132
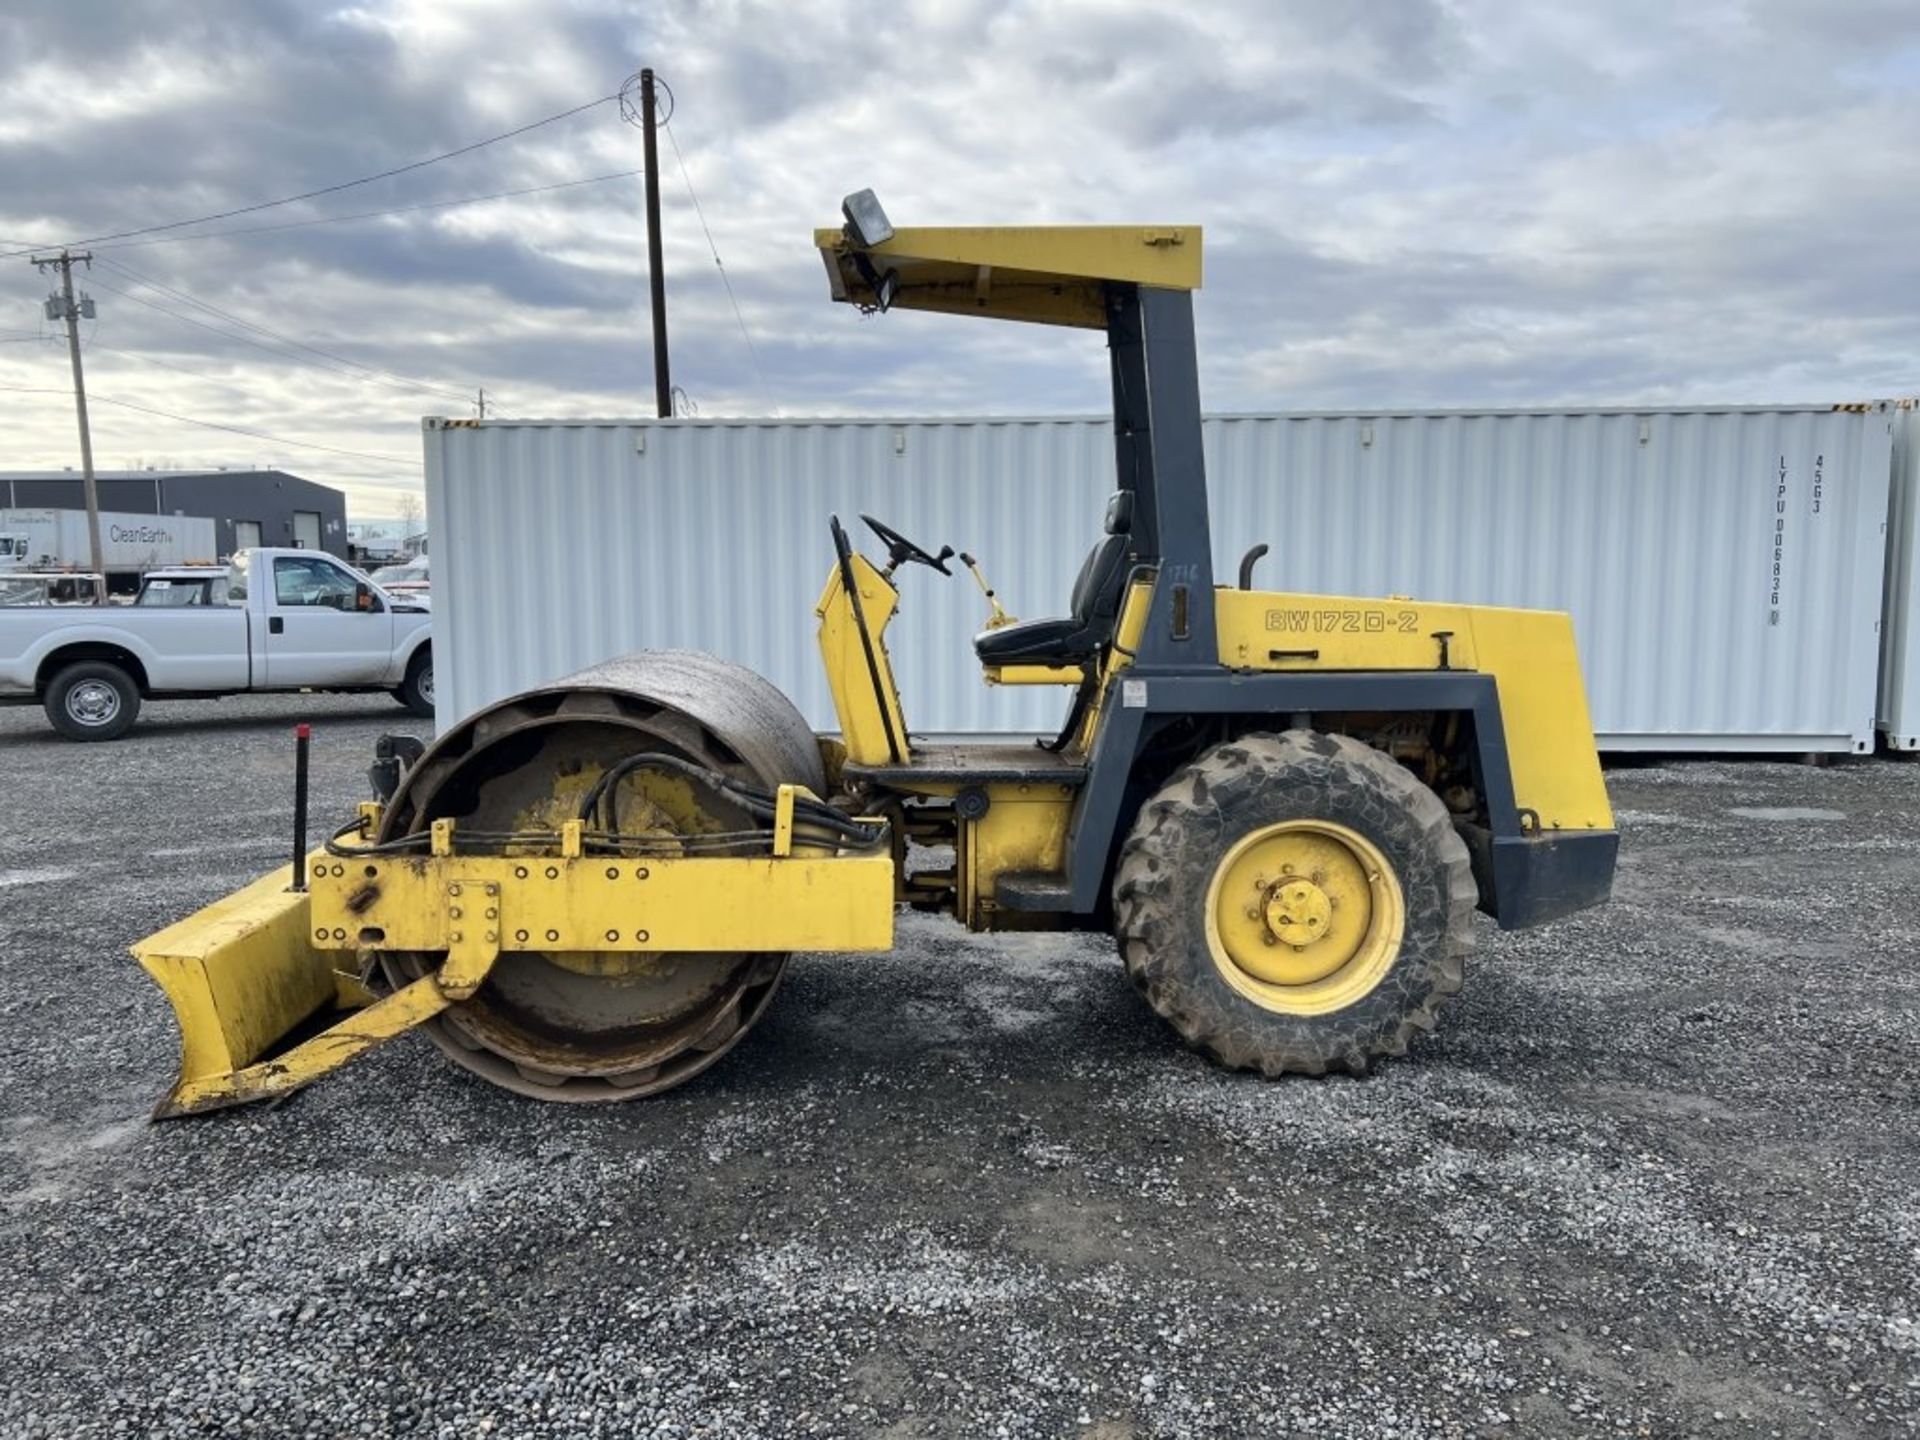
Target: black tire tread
408,691
1155,937
54,702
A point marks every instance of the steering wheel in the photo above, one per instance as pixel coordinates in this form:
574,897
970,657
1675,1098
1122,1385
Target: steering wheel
900,549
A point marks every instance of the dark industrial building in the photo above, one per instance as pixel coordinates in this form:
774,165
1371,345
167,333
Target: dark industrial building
248,507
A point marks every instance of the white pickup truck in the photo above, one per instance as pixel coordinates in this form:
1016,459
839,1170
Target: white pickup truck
292,620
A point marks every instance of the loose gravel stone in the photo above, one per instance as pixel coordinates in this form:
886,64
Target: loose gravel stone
1653,1176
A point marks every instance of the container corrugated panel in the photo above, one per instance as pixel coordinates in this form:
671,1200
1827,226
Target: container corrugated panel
1900,648
1723,566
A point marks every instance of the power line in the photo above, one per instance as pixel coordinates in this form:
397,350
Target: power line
198,374
214,425
343,185
700,214
93,345
278,351
386,376
211,329
373,214
423,386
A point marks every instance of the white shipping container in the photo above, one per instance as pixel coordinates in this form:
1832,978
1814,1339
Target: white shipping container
1900,644
57,539
1723,566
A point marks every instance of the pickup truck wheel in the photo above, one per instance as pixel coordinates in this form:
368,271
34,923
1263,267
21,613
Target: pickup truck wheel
93,700
416,691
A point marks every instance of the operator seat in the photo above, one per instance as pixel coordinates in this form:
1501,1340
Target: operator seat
1096,606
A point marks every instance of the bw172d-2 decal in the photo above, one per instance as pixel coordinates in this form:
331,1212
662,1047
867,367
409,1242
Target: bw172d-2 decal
1359,620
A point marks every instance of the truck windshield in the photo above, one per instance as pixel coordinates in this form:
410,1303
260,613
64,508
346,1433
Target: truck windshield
172,594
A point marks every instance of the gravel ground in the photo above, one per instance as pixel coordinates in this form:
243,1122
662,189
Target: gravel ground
1656,1174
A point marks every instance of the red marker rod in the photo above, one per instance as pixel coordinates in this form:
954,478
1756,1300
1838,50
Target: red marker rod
302,737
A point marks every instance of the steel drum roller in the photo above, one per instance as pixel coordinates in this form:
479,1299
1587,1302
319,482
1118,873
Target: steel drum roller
607,1026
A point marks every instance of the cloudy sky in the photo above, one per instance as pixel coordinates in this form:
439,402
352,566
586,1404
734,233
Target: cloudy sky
1406,202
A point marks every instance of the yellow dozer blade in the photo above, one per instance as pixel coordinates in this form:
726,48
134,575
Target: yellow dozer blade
603,908
261,1011
261,1008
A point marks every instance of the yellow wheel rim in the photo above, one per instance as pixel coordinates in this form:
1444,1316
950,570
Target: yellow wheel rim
1305,916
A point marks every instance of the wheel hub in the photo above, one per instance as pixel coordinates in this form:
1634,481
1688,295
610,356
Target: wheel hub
1298,913
1304,916
93,702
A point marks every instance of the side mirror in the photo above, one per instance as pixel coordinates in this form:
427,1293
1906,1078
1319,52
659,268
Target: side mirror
363,596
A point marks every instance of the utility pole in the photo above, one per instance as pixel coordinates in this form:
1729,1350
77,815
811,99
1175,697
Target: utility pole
64,307
656,277
482,402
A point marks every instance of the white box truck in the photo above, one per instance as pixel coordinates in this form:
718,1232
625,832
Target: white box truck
47,539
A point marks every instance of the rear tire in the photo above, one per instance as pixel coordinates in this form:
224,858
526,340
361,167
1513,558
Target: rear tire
416,691
1295,903
92,700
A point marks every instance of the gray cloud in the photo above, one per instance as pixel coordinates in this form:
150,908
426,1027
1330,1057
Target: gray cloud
1407,203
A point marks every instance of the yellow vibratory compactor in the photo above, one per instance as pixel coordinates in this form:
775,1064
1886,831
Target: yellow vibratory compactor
1285,807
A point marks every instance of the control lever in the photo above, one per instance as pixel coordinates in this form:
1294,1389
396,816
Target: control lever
999,618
